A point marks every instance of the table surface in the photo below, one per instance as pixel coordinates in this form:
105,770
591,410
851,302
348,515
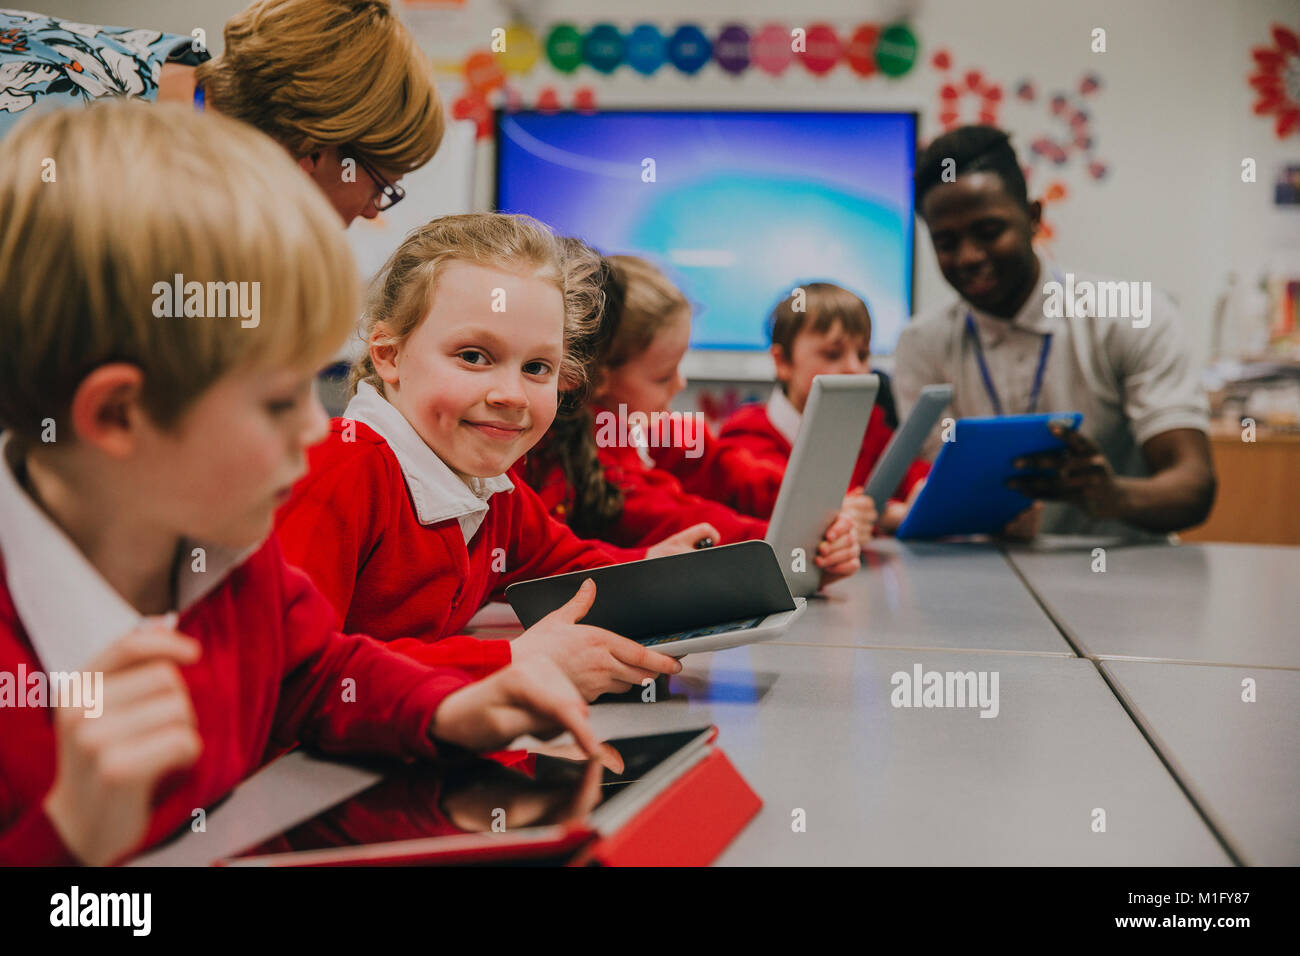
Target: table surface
814,729
931,595
1240,760
809,721
1230,604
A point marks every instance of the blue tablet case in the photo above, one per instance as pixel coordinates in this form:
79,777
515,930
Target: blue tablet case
966,492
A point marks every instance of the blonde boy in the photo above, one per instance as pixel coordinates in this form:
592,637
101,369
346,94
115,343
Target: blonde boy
143,457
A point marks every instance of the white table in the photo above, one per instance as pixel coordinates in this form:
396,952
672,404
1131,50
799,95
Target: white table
1227,604
1240,760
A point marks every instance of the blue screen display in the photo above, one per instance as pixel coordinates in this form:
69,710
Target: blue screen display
738,208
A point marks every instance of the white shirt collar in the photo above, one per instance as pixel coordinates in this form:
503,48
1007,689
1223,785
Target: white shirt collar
785,418
438,492
70,613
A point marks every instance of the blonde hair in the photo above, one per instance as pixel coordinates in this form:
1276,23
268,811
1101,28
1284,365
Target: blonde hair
138,194
649,300
402,294
318,73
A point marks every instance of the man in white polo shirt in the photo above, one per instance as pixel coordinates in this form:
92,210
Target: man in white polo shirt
1025,336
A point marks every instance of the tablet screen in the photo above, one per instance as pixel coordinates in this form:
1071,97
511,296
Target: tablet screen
509,792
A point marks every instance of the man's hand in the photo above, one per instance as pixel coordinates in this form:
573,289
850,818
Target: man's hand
596,660
1177,494
1078,474
1024,526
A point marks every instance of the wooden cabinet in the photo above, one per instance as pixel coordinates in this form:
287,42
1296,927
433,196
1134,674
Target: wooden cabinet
1259,490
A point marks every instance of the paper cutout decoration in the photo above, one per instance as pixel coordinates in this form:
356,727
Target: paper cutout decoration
522,50
548,100
646,49
771,50
1053,195
603,48
822,50
584,99
1078,139
972,87
564,47
483,73
472,105
896,50
689,49
1277,81
860,51
731,49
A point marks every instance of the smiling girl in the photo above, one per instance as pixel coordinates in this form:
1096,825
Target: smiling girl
407,520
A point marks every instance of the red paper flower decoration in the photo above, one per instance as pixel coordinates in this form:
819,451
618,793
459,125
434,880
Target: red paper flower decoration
972,85
1277,80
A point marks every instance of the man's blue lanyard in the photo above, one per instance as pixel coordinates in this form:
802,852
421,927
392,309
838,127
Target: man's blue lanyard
199,97
988,378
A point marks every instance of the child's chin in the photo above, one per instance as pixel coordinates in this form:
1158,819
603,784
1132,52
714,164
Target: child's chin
479,466
240,535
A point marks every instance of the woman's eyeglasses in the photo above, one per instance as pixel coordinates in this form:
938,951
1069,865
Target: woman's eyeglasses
390,194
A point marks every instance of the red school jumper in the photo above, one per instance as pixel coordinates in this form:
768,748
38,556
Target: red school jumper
270,675
353,526
655,505
751,428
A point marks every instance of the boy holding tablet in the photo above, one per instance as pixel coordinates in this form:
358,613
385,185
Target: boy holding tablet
149,434
1013,344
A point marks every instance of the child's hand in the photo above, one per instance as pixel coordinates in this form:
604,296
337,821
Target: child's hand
109,766
684,541
533,696
839,554
862,510
596,660
1024,526
896,511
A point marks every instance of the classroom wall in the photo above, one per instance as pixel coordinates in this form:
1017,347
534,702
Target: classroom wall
1172,119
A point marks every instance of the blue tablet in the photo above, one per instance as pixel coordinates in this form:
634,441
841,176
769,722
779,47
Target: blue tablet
967,491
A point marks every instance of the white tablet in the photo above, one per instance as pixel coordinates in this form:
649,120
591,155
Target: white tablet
821,466
906,443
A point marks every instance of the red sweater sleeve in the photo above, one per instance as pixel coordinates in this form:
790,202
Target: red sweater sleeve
541,546
334,518
750,428
476,657
655,506
719,469
31,840
345,692
557,498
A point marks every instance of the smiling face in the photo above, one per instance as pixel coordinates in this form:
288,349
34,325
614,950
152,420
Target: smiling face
833,352
983,239
648,382
479,386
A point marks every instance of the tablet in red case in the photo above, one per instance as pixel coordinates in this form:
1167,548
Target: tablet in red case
678,802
